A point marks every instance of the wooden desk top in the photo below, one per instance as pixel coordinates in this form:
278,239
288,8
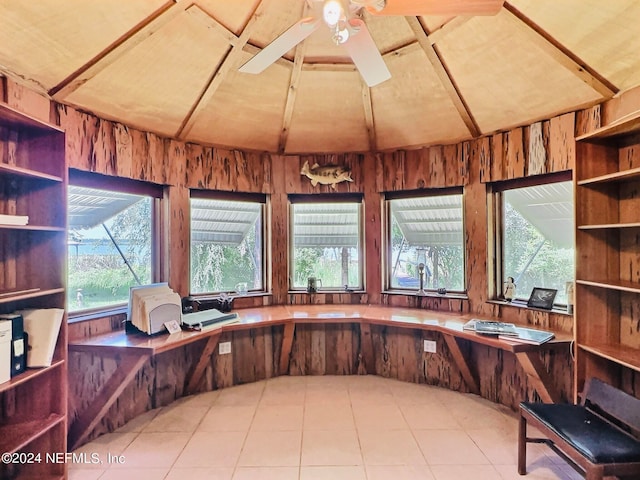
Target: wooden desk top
446,323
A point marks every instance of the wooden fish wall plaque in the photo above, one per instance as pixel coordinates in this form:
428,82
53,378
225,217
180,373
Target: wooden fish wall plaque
326,174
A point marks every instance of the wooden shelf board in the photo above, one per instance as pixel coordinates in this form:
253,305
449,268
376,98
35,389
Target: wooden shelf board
620,354
33,228
27,294
612,177
18,435
622,285
609,225
28,375
11,117
625,125
26,172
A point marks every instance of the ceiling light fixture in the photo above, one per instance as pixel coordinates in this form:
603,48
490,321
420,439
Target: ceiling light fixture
332,12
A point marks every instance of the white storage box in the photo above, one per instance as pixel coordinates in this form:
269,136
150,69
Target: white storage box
5,351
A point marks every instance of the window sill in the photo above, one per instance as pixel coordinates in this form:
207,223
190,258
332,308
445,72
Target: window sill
413,293
520,304
92,315
304,292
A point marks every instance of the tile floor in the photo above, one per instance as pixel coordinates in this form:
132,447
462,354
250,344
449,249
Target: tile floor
316,428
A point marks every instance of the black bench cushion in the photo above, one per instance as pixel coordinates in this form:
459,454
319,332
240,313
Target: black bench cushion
593,437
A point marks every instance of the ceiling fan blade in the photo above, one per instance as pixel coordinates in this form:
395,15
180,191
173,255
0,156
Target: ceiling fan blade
438,7
365,54
281,45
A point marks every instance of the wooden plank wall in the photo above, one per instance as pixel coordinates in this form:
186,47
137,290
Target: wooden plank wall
110,148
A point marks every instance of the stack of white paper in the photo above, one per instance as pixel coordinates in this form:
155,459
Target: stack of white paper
43,326
13,219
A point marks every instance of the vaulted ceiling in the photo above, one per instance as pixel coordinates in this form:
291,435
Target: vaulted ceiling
171,67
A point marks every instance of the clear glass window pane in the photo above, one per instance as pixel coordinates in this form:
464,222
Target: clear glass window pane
428,231
326,245
226,246
538,238
109,246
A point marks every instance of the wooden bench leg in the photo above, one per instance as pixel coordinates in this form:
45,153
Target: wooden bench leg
522,446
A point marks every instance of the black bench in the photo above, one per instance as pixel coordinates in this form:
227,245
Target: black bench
599,437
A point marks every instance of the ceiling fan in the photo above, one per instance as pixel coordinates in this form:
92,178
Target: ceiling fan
343,18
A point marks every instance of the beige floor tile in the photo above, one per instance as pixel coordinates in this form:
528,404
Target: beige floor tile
271,449
137,424
227,418
390,447
413,394
333,473
539,472
399,472
99,449
378,417
500,448
205,399
153,449
327,393
283,394
331,447
429,416
85,473
177,418
248,394
278,417
195,473
449,447
146,473
328,417
212,449
459,472
265,473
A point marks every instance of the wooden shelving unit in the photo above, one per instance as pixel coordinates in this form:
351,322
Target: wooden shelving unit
607,199
33,183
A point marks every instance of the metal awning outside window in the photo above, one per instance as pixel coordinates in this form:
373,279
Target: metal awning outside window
326,225
90,207
222,221
433,221
547,207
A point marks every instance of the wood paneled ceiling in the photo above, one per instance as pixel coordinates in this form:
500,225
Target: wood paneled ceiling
171,67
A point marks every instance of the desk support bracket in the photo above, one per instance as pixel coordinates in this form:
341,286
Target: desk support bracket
462,363
195,376
287,344
127,367
537,374
366,342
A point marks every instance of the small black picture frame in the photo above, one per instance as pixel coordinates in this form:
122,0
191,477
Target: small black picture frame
542,298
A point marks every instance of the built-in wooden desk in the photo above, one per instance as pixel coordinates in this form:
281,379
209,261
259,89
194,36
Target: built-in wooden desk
132,351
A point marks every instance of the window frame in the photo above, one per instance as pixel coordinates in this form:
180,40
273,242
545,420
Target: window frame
261,198
496,217
81,178
387,233
355,198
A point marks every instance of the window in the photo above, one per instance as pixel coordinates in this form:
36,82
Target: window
535,238
326,241
227,242
111,239
425,230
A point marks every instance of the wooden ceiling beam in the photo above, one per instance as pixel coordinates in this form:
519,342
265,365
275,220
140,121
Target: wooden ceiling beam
229,61
210,22
368,117
437,34
560,53
443,74
117,49
292,92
